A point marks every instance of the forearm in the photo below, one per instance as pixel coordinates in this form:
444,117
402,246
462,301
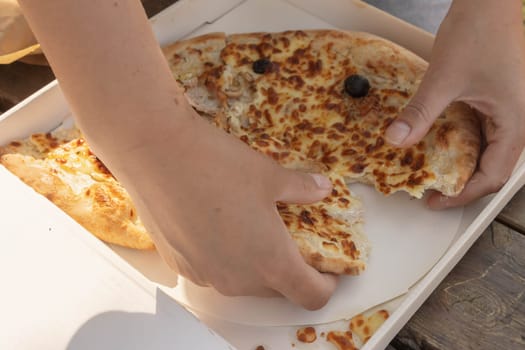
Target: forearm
486,13
109,67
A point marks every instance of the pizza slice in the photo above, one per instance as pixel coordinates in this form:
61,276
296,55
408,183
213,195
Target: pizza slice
61,167
329,233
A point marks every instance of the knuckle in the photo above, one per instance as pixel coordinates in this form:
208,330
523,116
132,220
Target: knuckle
308,184
420,111
299,180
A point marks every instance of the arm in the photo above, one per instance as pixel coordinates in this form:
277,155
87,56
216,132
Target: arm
207,199
479,58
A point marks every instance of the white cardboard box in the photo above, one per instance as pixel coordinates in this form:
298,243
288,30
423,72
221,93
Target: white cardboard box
67,288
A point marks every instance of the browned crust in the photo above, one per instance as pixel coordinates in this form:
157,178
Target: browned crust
338,264
106,211
364,43
209,41
459,137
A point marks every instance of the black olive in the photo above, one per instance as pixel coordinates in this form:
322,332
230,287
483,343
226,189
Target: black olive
357,85
261,65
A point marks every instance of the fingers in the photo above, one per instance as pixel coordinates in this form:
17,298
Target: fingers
303,188
496,166
304,285
417,117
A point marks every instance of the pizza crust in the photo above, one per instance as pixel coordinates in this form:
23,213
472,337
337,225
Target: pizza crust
460,139
61,167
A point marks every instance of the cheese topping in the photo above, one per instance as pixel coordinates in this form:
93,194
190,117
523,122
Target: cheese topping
302,102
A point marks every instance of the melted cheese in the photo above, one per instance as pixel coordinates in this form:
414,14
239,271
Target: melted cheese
366,325
61,167
301,102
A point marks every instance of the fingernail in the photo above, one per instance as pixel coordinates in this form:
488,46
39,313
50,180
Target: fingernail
322,181
397,132
438,202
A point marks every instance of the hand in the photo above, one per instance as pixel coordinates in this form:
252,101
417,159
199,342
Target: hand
209,202
206,198
478,58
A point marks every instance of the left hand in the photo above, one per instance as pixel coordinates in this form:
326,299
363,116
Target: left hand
478,58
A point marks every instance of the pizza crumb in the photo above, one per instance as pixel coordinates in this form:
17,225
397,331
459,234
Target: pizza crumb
322,334
260,347
342,340
366,326
306,335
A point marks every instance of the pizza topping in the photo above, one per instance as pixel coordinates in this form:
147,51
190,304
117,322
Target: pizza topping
261,65
357,86
305,217
306,334
342,340
365,327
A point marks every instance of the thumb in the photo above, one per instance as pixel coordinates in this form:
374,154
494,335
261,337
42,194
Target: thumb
303,188
414,121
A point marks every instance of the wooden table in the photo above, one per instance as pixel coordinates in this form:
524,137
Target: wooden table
481,303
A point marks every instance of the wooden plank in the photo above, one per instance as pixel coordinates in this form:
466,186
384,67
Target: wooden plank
480,305
513,215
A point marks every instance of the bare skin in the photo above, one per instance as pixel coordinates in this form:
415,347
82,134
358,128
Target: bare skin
478,58
206,198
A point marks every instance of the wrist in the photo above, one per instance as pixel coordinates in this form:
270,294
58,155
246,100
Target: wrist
136,133
487,9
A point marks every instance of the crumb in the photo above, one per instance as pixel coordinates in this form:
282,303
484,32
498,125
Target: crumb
365,327
306,335
342,340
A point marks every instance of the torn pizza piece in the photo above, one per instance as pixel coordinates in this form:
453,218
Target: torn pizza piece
61,167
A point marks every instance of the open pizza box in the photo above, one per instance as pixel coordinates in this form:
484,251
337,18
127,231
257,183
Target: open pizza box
58,271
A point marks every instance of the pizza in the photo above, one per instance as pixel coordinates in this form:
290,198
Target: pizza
61,167
320,100
360,329
314,101
365,326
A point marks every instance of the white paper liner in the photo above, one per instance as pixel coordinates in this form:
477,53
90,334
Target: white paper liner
407,240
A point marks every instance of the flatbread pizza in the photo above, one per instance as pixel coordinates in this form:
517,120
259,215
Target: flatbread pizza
314,101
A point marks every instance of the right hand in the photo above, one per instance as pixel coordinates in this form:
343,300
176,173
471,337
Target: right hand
478,58
209,202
